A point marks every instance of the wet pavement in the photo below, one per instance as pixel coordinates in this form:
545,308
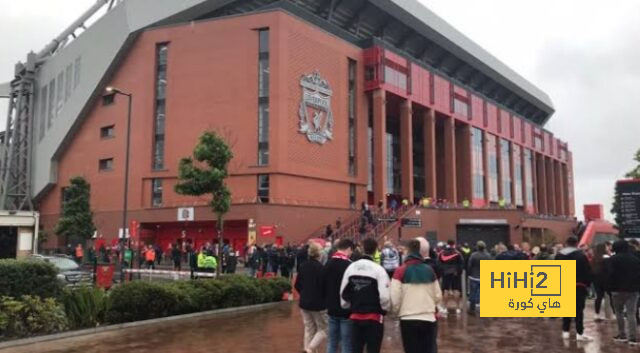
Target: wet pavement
279,330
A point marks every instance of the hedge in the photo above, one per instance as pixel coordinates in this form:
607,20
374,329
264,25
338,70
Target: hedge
89,307
148,300
27,277
30,316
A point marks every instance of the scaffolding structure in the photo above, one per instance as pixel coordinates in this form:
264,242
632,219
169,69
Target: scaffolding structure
17,145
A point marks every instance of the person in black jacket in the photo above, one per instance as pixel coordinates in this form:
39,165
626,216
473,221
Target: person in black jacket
584,276
623,279
340,328
451,263
310,284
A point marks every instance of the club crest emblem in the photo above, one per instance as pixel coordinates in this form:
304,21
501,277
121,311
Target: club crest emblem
316,118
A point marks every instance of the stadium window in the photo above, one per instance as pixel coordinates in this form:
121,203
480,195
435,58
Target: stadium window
43,112
263,96
351,101
162,51
68,82
52,103
108,99
76,72
105,165
263,188
352,196
107,132
156,192
370,73
460,105
477,154
60,94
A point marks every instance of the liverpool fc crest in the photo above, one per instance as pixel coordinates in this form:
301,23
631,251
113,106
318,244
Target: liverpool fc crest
316,119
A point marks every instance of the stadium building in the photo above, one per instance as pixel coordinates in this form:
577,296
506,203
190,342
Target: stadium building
326,104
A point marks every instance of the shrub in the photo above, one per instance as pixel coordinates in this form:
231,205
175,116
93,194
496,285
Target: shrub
29,316
277,287
239,290
28,277
142,301
85,307
206,294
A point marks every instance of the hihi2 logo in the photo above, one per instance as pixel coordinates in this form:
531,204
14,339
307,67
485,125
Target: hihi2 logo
527,288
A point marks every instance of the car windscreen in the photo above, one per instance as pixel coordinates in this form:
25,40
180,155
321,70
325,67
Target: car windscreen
64,264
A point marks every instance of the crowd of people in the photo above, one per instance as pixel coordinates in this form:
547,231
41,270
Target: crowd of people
347,289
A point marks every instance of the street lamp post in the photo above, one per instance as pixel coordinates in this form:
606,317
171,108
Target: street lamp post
115,91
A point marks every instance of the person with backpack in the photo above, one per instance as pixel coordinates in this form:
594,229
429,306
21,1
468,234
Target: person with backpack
623,278
389,258
365,291
584,276
451,263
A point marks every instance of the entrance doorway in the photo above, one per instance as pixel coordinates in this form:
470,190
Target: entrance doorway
490,234
8,242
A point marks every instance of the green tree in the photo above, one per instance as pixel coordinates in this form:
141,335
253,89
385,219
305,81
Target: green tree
633,174
76,221
205,174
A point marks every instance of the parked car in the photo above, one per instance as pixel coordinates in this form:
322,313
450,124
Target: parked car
69,272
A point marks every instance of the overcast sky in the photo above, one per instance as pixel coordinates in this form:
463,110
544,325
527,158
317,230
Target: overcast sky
583,53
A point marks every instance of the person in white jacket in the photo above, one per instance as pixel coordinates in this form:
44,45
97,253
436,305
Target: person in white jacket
365,290
415,295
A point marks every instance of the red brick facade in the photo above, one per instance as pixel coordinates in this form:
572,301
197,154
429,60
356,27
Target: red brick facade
212,85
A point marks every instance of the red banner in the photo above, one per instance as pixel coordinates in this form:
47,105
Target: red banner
133,229
104,276
267,231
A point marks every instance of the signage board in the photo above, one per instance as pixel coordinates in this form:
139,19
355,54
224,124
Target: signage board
412,222
186,214
628,197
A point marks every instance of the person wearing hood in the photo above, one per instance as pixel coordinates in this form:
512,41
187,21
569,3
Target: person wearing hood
451,263
623,277
511,254
584,276
390,258
415,295
474,274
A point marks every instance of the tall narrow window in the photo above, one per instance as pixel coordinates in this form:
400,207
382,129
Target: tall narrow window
478,164
263,97
517,173
156,192
492,154
370,142
68,82
160,108
76,72
352,117
43,112
352,196
505,169
60,94
52,103
528,177
263,188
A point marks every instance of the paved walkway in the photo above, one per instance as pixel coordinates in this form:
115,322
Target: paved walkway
279,330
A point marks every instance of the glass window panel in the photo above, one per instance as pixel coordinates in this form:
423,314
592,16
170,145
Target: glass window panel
68,82
76,72
52,102
43,112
